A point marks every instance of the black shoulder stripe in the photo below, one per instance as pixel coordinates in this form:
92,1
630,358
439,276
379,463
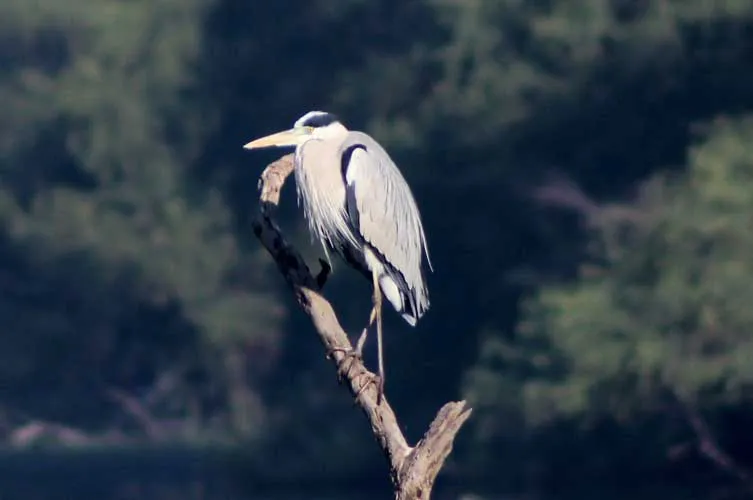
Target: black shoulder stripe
345,160
349,194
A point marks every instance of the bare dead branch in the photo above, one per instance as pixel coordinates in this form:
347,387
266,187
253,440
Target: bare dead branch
560,192
136,409
412,470
709,447
34,431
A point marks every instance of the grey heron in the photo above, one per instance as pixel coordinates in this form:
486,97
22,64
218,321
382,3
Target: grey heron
358,204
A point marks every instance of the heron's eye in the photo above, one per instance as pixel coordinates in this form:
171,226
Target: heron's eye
310,130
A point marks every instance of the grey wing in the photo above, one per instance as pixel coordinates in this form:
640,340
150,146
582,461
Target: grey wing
383,212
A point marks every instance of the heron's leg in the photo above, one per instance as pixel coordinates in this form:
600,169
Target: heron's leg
378,313
350,355
358,351
364,333
374,316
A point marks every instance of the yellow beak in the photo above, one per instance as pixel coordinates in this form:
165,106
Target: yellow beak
279,139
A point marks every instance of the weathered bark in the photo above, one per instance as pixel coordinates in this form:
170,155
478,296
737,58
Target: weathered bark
413,470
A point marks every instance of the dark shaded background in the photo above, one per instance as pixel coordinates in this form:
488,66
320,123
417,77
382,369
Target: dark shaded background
585,173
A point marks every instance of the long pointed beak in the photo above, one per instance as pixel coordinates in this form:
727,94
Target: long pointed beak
279,139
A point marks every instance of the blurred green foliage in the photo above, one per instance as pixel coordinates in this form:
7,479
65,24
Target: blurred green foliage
660,302
584,169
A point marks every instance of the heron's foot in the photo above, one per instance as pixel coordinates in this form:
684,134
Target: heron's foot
372,378
321,277
345,365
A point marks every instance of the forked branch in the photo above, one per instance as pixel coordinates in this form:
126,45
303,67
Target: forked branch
413,470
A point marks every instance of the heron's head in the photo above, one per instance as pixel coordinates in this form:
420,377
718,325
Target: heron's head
312,125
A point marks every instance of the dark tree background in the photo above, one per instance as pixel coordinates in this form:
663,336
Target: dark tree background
585,173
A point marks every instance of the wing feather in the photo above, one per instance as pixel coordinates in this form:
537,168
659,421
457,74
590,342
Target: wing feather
382,210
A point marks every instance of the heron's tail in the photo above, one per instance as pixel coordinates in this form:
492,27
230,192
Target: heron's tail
411,304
